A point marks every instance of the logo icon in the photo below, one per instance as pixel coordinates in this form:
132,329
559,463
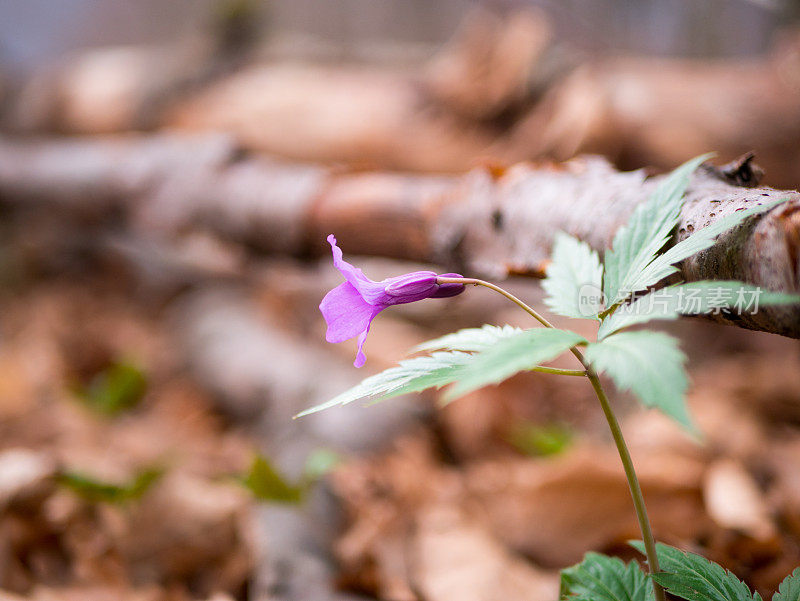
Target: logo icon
590,300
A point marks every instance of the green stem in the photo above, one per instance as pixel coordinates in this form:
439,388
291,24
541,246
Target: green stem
613,424
475,282
558,371
633,480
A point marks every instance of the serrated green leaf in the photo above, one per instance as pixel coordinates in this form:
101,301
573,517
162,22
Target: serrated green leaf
267,484
694,298
510,355
789,589
649,364
636,244
602,578
98,491
469,339
411,375
664,265
695,578
574,281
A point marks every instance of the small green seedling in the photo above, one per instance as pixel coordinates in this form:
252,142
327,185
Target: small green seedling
539,440
116,389
93,490
267,484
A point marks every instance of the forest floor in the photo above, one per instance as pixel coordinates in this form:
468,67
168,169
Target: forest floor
120,472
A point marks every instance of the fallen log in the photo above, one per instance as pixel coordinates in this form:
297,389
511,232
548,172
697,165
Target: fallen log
504,89
486,222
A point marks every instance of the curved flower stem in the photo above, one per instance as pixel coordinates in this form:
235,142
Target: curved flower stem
613,424
475,282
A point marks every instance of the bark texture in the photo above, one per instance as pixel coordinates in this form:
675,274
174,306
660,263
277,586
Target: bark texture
487,222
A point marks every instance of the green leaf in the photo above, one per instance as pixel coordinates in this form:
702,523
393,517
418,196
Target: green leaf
650,364
693,299
695,578
574,282
469,339
522,351
650,226
535,440
789,589
267,484
98,491
114,390
602,578
663,265
411,375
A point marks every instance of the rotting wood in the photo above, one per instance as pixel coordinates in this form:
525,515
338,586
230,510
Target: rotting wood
485,222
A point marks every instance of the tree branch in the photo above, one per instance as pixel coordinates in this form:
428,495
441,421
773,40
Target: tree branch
483,222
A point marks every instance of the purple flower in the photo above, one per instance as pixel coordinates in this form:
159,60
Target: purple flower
350,308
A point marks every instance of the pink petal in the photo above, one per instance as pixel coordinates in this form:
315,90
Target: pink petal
370,290
346,313
411,286
362,338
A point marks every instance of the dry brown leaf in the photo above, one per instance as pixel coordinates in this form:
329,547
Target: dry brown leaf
456,559
734,500
97,593
26,477
556,509
184,527
17,390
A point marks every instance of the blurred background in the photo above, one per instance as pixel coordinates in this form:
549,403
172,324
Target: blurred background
168,174
37,31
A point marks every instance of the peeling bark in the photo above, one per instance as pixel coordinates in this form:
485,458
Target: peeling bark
484,222
507,226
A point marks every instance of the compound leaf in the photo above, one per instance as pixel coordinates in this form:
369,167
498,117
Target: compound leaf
648,229
694,298
469,339
664,265
411,375
649,364
789,589
695,578
522,351
574,280
602,578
